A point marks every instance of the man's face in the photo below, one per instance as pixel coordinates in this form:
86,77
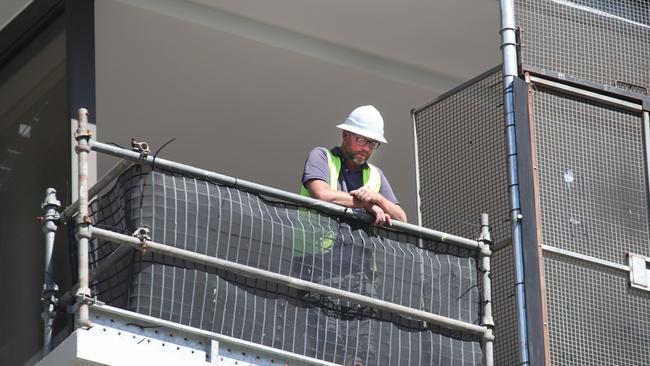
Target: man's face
357,149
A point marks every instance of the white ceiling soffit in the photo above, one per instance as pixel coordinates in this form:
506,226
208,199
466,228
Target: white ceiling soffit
404,41
452,37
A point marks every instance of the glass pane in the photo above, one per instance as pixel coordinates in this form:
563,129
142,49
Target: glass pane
34,155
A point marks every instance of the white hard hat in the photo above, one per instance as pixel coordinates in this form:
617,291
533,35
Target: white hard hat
365,121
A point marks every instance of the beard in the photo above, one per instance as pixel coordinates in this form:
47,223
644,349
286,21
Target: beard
357,158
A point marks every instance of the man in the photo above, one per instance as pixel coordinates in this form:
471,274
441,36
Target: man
344,176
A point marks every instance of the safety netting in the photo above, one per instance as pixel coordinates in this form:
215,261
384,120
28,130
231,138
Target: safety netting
247,228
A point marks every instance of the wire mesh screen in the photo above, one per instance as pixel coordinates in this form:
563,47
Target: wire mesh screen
462,172
591,169
594,317
461,159
633,10
245,228
593,201
504,308
602,41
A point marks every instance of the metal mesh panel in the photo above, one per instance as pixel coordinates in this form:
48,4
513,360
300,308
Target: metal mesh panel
602,41
462,159
634,10
462,172
245,228
591,168
594,317
504,308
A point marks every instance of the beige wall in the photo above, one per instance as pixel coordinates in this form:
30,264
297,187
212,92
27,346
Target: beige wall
235,105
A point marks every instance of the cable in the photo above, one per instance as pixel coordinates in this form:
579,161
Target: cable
153,162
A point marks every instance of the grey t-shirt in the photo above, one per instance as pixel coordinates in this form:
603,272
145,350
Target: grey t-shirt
316,168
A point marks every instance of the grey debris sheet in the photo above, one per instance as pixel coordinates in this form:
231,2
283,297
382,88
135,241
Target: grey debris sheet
243,227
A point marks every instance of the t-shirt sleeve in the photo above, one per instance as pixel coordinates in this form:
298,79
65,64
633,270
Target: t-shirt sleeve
386,190
316,166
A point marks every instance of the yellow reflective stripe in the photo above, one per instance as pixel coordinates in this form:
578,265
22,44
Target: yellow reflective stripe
372,178
334,164
304,191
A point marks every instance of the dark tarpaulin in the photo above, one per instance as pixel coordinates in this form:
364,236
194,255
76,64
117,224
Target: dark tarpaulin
245,228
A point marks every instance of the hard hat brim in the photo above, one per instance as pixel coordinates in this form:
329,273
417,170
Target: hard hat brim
360,132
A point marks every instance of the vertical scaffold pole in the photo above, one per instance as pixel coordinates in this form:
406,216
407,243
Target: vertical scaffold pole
510,72
83,220
487,321
49,295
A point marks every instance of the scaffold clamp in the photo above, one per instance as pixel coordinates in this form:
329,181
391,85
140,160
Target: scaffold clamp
142,233
140,146
83,299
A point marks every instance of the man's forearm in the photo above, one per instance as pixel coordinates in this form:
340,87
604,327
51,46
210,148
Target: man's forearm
348,200
343,199
338,197
394,211
363,199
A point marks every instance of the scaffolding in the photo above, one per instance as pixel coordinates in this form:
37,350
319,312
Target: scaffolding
101,326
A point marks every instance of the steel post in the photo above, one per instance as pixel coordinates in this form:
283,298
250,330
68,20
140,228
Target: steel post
509,50
49,295
83,220
487,321
646,143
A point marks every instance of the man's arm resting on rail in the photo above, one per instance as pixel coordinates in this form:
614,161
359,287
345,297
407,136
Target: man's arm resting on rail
366,195
321,190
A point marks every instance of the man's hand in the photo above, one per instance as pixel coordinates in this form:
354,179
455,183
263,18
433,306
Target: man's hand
359,198
381,218
365,195
368,197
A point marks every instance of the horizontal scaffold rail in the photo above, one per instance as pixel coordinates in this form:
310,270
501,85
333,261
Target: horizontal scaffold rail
289,281
294,198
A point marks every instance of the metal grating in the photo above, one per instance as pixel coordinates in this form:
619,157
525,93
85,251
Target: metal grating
607,42
245,228
592,177
633,10
462,159
462,172
594,317
504,308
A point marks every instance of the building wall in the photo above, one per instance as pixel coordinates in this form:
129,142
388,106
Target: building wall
235,105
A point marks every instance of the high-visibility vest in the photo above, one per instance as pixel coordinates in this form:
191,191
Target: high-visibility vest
306,241
370,175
